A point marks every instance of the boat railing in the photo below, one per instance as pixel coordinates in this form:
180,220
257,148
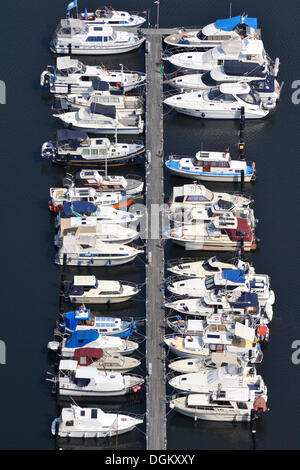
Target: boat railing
176,261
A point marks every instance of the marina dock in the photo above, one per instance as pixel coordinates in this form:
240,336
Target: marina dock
155,353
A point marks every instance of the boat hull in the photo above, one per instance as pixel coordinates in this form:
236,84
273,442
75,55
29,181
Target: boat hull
102,300
221,114
231,178
94,434
214,416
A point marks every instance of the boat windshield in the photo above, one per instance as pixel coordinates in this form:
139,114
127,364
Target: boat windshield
250,98
210,282
207,80
208,267
216,95
201,36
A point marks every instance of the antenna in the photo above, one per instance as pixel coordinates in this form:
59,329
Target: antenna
230,7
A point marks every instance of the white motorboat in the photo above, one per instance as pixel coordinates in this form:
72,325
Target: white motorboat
86,250
256,75
103,119
211,166
217,338
229,281
98,229
92,382
234,405
92,422
116,200
88,214
73,36
207,267
215,360
248,50
104,360
223,102
133,185
76,148
114,18
72,76
227,377
101,94
234,304
197,195
91,339
214,34
88,289
222,233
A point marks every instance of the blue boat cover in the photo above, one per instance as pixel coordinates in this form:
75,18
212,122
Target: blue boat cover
97,108
229,24
99,85
237,68
234,275
80,338
70,320
81,207
247,299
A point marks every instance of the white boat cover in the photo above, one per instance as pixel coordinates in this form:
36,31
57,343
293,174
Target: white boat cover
244,332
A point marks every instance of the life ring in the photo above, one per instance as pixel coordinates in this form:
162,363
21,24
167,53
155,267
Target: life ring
118,84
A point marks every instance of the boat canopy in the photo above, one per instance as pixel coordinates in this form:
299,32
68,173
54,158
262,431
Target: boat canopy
228,24
74,138
237,68
80,338
80,207
247,299
73,318
99,85
86,356
234,275
63,63
105,110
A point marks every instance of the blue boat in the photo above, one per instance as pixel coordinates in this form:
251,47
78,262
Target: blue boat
82,320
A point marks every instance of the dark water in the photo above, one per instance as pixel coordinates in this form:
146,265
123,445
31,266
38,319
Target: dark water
30,281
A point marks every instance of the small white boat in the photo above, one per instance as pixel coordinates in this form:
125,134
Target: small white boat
234,405
92,423
222,102
90,339
215,360
199,268
92,382
244,50
76,148
214,34
88,289
227,377
86,250
103,119
211,166
114,18
98,229
133,185
100,93
217,338
72,76
197,195
117,200
104,360
73,36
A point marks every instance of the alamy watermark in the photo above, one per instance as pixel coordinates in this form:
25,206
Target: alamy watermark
2,92
296,94
296,354
2,352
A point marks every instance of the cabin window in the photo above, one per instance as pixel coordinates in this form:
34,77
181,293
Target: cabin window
82,413
241,405
85,152
94,152
94,414
69,423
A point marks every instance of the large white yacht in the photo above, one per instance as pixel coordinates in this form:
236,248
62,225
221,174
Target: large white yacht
72,36
72,76
244,50
114,18
198,268
88,289
103,119
92,423
132,184
222,102
214,34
